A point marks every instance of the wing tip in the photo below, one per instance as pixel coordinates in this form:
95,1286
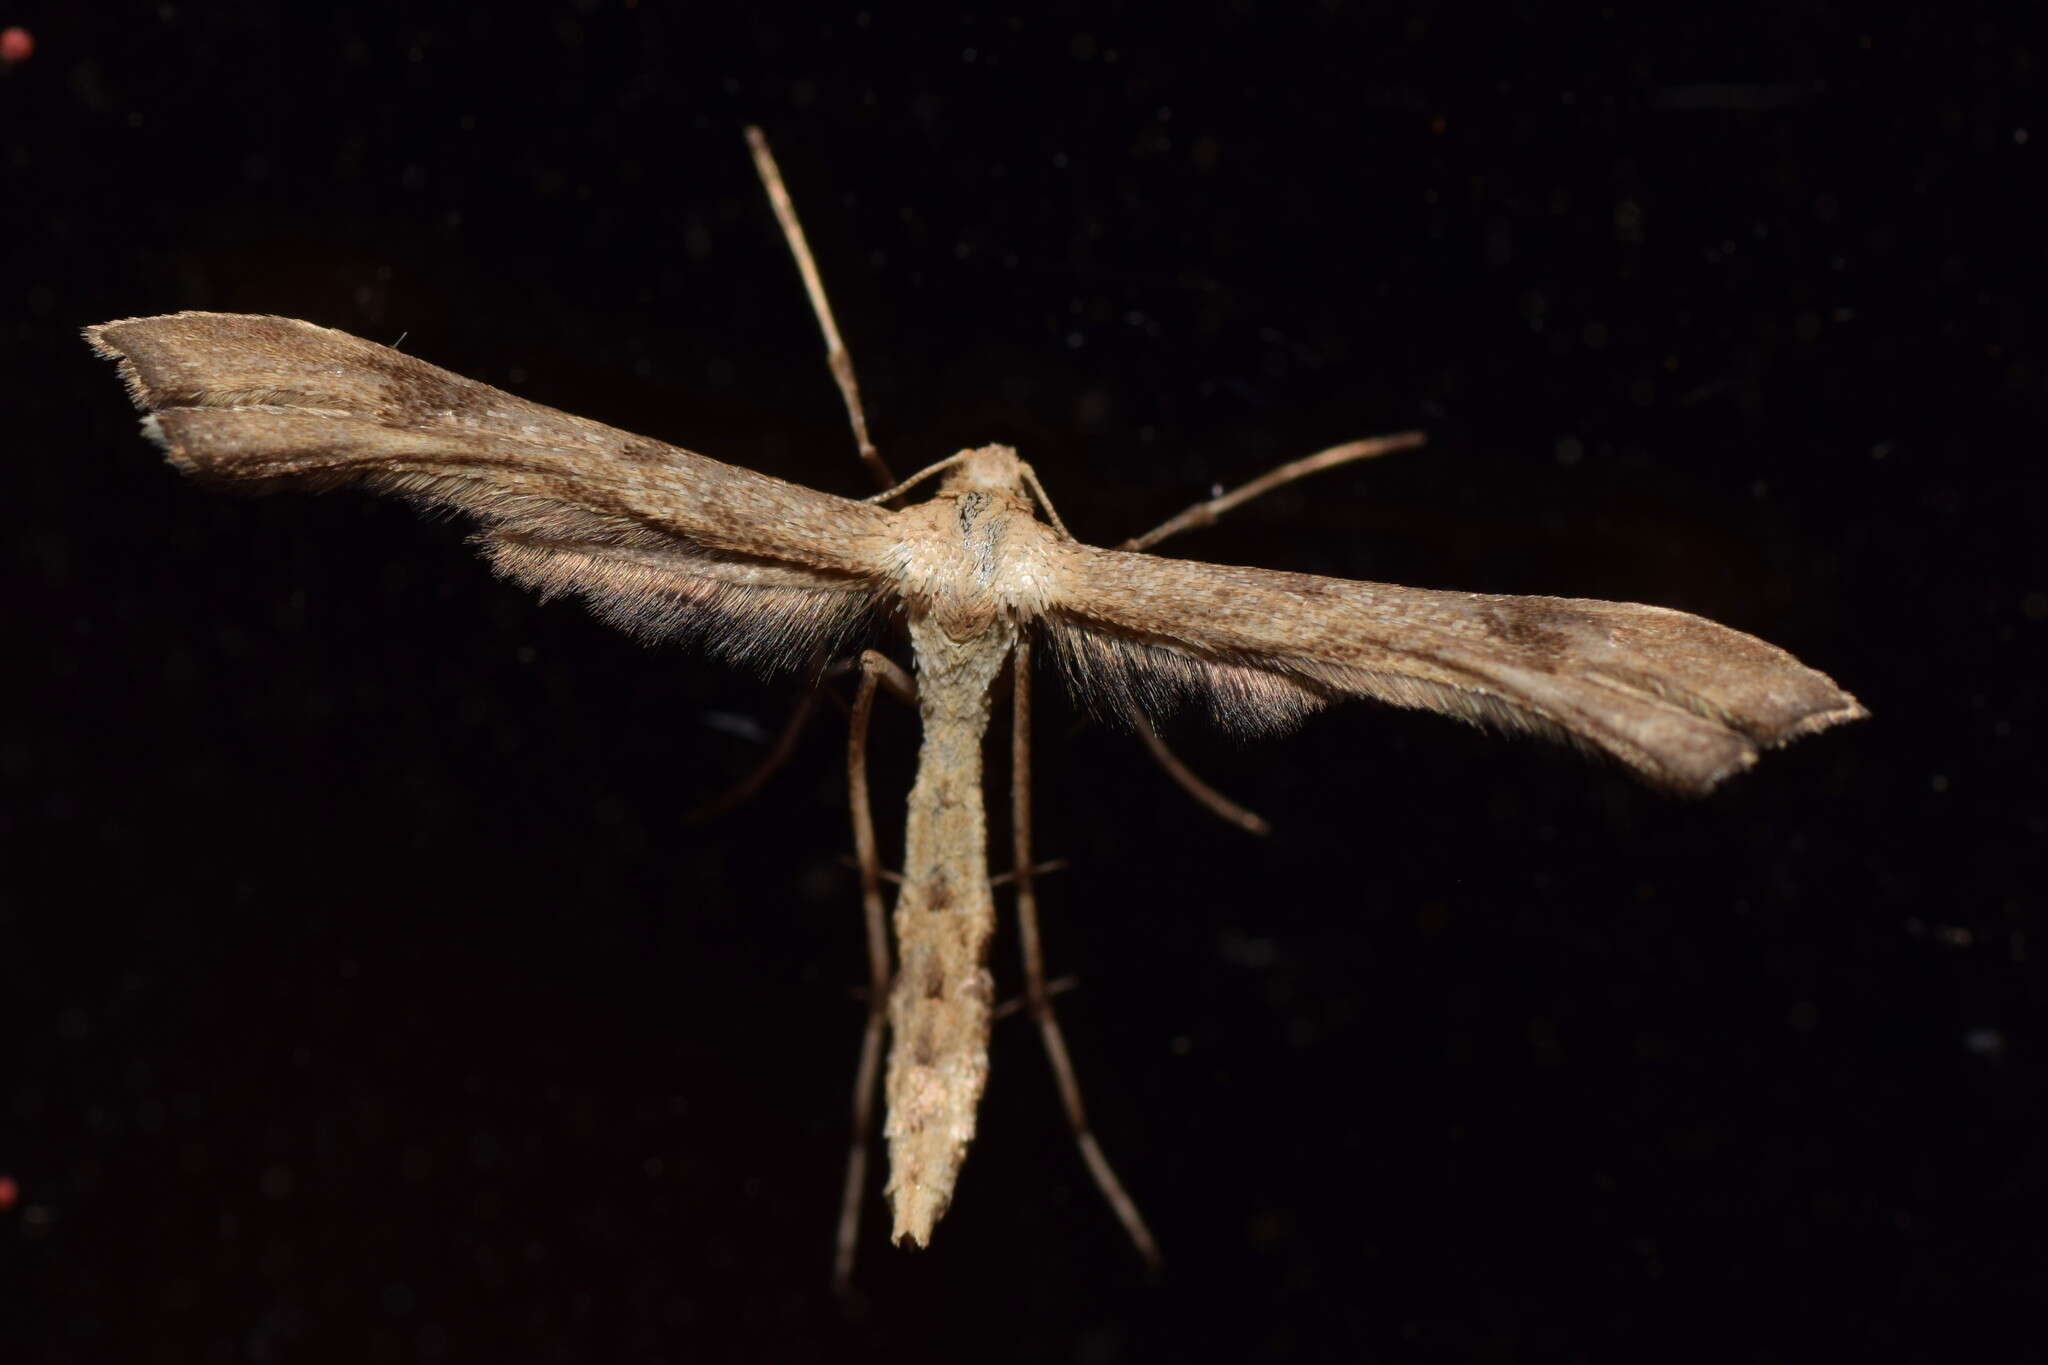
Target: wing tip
1844,710
1743,756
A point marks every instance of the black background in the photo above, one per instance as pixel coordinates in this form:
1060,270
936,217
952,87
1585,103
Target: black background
370,1000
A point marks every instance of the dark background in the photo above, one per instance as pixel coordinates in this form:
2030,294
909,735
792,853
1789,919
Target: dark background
369,999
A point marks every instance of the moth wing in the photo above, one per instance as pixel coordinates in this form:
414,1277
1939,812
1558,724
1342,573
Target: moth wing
660,540
1681,700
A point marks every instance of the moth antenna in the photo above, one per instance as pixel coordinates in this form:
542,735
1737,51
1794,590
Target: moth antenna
1038,491
919,477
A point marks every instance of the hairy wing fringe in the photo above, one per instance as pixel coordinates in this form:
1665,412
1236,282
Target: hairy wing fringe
1257,694
651,583
718,602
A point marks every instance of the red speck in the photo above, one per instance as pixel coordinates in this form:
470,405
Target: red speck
17,45
9,1192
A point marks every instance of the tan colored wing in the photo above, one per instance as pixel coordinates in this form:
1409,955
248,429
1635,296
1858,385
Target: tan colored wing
1683,701
660,540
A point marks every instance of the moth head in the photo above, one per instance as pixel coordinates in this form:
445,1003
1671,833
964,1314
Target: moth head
990,469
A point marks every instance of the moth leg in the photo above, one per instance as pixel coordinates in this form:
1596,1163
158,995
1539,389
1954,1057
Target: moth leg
778,754
1207,513
1016,1002
1037,992
836,354
1050,865
875,671
895,679
1221,806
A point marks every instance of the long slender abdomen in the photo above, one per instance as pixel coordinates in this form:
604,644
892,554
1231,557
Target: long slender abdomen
940,1005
